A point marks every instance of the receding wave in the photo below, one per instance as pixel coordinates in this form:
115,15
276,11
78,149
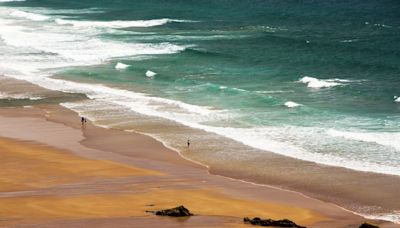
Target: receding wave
119,24
19,96
383,138
394,217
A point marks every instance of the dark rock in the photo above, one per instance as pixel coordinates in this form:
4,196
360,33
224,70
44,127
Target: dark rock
269,222
175,212
368,225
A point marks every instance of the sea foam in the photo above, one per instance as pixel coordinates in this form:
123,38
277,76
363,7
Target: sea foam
121,66
396,99
150,73
119,24
291,104
390,139
19,97
68,48
322,83
29,16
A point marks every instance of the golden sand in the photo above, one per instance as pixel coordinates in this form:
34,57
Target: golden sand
200,202
27,166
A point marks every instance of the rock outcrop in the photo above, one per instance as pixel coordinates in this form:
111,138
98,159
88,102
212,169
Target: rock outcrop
180,211
269,222
368,225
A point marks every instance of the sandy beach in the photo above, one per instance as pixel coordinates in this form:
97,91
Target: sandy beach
111,111
56,173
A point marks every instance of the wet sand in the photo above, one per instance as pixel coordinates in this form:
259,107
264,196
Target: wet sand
58,174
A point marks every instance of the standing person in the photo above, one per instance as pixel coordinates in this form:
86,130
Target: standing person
188,143
83,121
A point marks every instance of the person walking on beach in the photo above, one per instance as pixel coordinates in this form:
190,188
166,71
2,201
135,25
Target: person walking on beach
83,121
188,143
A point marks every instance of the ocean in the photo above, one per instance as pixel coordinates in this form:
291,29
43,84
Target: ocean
317,81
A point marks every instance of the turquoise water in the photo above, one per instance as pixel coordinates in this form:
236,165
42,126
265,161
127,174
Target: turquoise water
314,80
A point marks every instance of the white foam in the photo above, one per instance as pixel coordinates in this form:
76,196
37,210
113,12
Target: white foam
396,99
19,96
119,24
291,104
150,73
390,139
54,47
29,16
383,25
12,0
121,66
322,83
394,217
349,41
3,95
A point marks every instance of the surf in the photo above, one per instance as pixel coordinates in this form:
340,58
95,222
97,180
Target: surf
119,23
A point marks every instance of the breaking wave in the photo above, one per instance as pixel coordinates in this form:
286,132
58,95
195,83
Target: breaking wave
119,24
312,82
291,104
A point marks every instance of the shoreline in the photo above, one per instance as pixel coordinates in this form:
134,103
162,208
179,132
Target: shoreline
54,118
368,217
237,185
239,161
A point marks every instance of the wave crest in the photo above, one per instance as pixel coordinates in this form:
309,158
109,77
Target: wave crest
119,24
291,104
322,83
121,66
150,74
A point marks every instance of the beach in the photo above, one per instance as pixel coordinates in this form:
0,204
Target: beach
58,173
291,109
